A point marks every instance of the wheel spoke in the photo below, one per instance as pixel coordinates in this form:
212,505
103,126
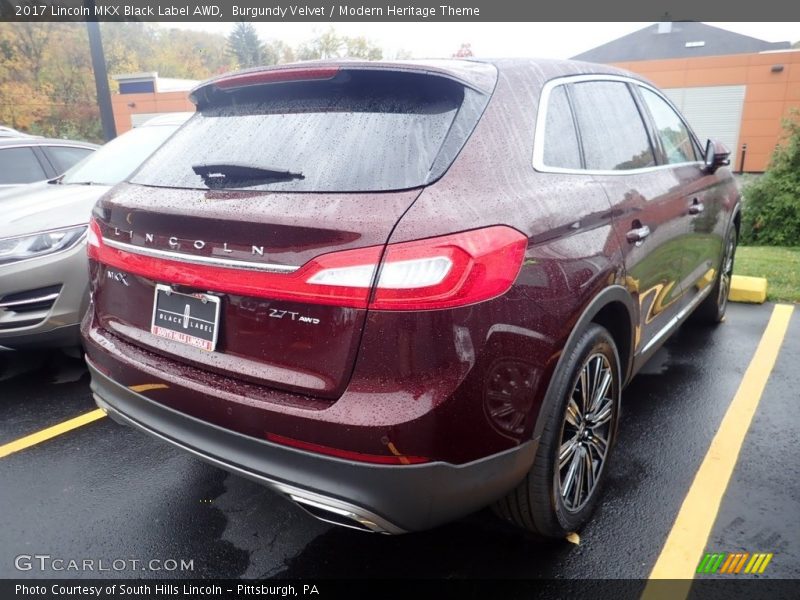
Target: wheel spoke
566,451
579,476
589,470
598,367
569,479
584,390
573,416
603,414
600,393
599,444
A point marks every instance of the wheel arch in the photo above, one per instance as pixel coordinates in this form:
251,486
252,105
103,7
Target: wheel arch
614,309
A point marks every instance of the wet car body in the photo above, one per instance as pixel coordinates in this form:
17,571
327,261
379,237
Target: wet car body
391,419
44,283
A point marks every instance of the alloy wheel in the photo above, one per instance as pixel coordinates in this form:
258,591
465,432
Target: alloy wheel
726,275
586,432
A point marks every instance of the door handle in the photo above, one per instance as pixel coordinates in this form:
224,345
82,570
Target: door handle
696,207
636,236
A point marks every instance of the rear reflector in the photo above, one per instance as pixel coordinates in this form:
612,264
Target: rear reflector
276,76
381,459
441,272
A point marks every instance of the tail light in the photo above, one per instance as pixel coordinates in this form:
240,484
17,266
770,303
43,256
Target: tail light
441,272
275,76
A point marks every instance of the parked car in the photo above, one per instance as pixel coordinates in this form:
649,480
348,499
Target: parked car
30,159
399,292
11,132
43,272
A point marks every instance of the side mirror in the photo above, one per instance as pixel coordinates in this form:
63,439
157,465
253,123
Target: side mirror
716,156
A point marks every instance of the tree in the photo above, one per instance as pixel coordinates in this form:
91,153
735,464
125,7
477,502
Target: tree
465,51
361,47
331,45
277,52
771,215
245,46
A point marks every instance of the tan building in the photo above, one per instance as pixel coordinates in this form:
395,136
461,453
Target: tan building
145,95
730,87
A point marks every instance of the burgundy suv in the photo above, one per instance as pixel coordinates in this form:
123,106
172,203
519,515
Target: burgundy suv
399,292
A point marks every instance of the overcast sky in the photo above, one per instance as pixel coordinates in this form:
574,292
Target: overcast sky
497,40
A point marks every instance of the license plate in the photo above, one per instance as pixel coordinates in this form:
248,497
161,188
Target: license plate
191,319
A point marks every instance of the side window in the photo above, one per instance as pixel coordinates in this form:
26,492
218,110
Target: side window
612,132
675,137
560,138
63,157
19,165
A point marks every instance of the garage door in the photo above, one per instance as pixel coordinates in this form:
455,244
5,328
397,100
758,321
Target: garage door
713,112
139,119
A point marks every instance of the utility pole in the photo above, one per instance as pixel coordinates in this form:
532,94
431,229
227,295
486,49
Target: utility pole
100,75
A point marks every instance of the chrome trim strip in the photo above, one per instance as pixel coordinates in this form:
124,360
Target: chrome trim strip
677,319
541,120
200,260
29,301
376,523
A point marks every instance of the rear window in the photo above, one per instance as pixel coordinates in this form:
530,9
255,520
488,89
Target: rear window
360,131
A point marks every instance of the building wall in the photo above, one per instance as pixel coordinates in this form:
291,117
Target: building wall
125,105
768,98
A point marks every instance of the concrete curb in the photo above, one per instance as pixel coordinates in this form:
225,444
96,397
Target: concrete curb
748,289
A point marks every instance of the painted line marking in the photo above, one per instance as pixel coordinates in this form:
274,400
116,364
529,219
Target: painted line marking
689,535
146,387
50,432
69,425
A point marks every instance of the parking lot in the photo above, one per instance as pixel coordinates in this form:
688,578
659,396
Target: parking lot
102,491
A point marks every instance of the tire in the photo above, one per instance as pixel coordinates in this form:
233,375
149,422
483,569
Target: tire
712,309
547,502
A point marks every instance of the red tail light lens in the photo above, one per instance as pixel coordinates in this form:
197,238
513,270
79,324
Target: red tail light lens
381,459
276,76
452,270
94,239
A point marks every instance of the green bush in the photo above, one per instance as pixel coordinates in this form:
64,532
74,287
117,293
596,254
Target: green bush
771,210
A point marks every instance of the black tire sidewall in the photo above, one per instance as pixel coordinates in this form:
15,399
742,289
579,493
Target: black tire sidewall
594,340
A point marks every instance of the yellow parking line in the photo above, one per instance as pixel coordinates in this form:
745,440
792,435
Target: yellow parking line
689,535
146,387
50,432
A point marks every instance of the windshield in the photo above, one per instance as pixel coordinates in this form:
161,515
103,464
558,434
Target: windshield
358,132
119,158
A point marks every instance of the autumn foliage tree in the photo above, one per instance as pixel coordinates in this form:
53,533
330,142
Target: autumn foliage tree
245,46
47,83
46,78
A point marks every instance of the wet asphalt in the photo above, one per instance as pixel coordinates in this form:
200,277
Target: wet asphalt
107,492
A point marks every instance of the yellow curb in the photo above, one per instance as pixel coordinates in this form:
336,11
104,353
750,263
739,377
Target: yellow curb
748,289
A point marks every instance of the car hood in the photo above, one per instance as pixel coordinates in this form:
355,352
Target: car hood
43,206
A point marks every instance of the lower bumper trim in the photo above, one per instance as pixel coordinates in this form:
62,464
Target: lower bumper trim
378,498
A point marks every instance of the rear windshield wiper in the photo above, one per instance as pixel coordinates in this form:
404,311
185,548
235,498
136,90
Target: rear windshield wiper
222,172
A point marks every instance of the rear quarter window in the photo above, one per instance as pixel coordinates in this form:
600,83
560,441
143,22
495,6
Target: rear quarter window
561,147
612,131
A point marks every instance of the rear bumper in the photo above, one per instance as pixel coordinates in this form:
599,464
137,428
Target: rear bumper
379,498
